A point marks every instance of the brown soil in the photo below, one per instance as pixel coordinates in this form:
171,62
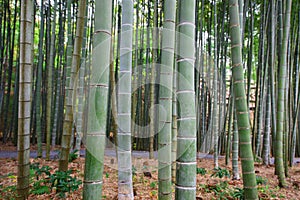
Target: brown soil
146,188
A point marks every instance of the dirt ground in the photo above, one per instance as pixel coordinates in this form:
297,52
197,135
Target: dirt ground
146,187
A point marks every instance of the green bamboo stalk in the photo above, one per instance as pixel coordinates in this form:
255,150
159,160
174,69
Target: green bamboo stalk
293,138
165,153
242,112
235,148
260,86
185,187
174,128
68,119
50,74
279,167
38,83
229,134
241,17
287,117
155,40
135,77
174,111
250,54
267,132
24,98
59,82
271,71
98,99
296,102
80,87
125,188
215,92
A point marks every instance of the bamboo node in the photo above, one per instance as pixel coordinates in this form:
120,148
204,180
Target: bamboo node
98,182
239,98
102,31
243,129
234,25
185,59
169,20
249,159
245,143
187,23
236,65
242,113
238,81
235,45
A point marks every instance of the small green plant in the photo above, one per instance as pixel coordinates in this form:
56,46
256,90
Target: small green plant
134,170
44,169
221,190
264,189
11,176
106,175
37,171
153,193
201,171
257,159
34,166
205,188
40,187
153,184
260,180
219,172
64,182
134,146
238,193
73,155
9,192
265,192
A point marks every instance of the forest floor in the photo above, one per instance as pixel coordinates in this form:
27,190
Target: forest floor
145,187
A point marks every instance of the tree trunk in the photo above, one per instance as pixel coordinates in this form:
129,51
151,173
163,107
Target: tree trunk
50,75
215,93
24,98
165,100
235,148
279,167
80,87
98,99
125,188
38,93
68,119
242,112
185,187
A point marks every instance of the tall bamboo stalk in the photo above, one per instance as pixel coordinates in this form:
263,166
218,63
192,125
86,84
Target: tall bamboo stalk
242,112
98,99
215,92
38,93
235,148
279,167
165,100
80,87
68,119
24,98
50,74
185,187
125,188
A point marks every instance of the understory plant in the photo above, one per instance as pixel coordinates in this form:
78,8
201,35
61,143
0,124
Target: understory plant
219,172
45,181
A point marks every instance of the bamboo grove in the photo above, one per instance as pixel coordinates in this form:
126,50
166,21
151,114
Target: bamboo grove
176,77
